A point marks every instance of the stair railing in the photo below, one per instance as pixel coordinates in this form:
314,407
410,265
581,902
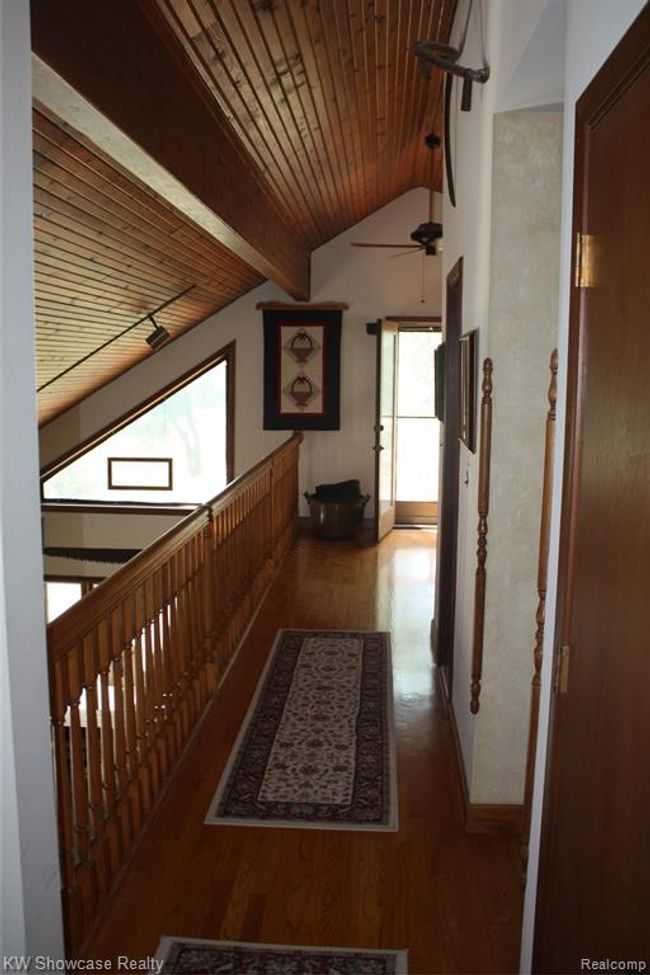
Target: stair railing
135,663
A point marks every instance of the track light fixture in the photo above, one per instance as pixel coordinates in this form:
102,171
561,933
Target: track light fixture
158,337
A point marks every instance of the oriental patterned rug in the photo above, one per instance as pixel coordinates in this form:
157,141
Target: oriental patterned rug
193,956
316,749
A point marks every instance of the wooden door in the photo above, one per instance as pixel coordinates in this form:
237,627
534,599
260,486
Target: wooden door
594,891
385,428
445,598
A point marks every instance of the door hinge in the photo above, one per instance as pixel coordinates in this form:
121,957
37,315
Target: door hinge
584,261
561,683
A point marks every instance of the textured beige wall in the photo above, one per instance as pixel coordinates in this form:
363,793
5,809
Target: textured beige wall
524,281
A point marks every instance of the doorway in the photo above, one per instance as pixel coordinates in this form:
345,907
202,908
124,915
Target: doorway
406,426
417,440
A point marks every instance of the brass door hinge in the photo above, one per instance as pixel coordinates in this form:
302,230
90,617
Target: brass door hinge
561,683
584,261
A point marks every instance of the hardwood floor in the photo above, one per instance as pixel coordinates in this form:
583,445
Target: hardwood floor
452,899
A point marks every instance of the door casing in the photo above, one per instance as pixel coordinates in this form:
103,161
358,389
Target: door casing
442,627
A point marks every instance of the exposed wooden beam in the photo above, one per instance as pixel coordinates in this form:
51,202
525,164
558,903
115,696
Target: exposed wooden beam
113,71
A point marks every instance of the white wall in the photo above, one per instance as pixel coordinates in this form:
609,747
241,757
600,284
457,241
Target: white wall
31,911
373,283
593,29
98,530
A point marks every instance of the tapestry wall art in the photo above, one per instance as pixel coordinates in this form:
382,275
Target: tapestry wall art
302,349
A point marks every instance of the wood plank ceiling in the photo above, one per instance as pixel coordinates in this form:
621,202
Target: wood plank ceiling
327,101
107,252
325,95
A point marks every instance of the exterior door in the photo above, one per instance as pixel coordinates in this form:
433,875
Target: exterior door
385,428
594,892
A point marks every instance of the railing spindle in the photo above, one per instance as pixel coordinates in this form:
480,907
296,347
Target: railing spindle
133,665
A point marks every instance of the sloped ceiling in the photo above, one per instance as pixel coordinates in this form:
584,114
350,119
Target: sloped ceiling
323,98
107,252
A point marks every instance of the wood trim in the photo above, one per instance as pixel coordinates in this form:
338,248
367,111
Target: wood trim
540,615
416,512
231,408
493,818
433,639
463,785
54,577
168,461
485,452
478,817
468,383
445,595
416,319
287,306
227,354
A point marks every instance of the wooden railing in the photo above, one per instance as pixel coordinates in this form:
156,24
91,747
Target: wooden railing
134,664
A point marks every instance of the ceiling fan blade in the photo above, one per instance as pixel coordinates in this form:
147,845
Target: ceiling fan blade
409,253
393,246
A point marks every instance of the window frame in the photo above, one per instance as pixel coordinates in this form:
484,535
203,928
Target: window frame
167,461
225,354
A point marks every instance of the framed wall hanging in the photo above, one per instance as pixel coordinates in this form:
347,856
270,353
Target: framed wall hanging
439,382
302,349
468,364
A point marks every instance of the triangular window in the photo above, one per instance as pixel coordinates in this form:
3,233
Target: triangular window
173,452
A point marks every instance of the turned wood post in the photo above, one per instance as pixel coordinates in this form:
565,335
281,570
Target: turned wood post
485,451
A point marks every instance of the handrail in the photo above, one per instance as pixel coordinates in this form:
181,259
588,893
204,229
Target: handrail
134,664
72,620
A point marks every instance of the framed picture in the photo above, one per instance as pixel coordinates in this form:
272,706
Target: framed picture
302,369
439,382
468,371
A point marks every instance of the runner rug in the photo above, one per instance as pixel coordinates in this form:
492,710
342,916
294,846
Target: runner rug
316,748
190,955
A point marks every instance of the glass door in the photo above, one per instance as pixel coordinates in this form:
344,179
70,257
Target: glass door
417,429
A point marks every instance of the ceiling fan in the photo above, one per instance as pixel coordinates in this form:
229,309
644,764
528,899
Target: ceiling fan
427,235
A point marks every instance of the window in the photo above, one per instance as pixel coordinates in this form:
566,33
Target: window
176,451
61,594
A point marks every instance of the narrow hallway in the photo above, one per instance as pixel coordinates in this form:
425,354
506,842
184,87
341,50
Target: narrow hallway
451,898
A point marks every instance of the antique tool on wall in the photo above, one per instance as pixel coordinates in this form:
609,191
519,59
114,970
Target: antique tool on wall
447,58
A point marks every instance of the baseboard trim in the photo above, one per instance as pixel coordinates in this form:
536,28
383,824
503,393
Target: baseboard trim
479,817
306,525
433,634
444,675
455,739
496,817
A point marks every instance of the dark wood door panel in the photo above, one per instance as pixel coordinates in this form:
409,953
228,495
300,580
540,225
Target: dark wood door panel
445,604
595,880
